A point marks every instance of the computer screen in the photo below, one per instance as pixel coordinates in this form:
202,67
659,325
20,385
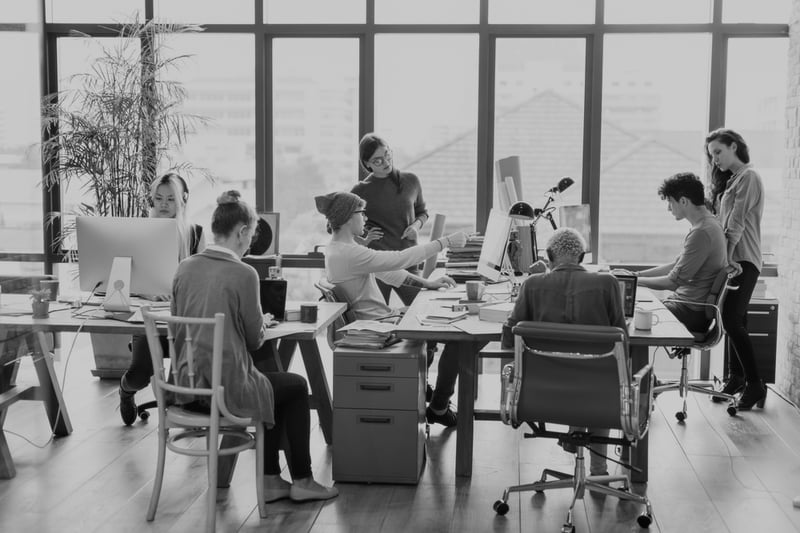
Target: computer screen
577,217
627,289
495,242
151,243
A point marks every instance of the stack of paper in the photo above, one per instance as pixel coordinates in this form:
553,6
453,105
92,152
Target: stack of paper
442,315
498,312
760,290
367,334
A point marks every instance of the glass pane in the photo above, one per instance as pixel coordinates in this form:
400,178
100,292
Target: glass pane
20,167
222,91
775,11
426,107
755,107
94,10
541,11
539,93
314,11
315,121
426,12
657,11
205,11
655,113
18,11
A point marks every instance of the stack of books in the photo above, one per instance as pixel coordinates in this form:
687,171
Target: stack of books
441,316
367,334
461,263
498,312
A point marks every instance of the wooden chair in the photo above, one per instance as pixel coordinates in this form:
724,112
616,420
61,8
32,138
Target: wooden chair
704,341
177,426
579,376
329,294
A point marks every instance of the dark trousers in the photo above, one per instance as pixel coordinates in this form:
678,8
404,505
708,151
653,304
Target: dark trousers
140,370
292,420
741,360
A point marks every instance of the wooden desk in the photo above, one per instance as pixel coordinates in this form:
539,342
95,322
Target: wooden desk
291,334
668,332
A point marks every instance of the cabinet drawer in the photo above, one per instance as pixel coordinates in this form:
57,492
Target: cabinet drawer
762,318
376,365
378,446
374,392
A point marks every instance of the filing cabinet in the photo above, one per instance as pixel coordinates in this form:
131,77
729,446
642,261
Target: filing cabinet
379,413
762,325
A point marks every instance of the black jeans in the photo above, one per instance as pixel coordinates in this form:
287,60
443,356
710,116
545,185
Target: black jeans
741,359
140,370
292,419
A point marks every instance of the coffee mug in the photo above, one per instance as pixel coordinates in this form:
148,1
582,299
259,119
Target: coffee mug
644,319
52,286
308,314
475,290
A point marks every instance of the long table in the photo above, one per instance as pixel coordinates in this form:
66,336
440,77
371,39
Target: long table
668,332
61,319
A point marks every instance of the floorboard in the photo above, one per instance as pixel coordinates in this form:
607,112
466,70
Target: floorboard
712,473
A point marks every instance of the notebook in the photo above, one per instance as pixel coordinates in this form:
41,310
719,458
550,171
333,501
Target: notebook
627,288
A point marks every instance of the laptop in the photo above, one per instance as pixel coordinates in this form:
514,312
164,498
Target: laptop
627,288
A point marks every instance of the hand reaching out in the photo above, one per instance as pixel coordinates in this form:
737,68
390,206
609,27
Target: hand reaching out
457,240
445,282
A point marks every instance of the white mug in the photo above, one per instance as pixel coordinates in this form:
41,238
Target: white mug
475,290
644,319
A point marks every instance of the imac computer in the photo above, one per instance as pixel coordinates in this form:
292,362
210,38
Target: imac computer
495,243
122,256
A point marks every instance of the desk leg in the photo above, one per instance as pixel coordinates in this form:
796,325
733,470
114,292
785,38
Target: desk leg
639,357
286,349
320,391
468,363
49,390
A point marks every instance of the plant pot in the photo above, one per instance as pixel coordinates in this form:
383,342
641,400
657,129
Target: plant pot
112,356
41,309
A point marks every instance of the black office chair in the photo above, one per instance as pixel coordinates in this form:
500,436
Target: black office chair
703,341
579,376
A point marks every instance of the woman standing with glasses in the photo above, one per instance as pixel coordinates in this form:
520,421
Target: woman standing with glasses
737,196
395,207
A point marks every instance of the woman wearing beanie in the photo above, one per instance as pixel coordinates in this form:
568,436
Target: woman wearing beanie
354,269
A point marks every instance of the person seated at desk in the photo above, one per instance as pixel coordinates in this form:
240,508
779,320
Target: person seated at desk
217,281
693,272
353,268
168,197
569,294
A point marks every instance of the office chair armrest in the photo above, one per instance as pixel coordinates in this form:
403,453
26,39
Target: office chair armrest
507,393
641,402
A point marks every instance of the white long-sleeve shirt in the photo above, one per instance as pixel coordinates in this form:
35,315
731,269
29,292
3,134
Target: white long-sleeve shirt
353,269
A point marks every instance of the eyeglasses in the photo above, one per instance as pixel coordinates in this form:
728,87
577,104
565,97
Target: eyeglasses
380,161
361,212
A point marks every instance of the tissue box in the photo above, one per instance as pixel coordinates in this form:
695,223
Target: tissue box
498,312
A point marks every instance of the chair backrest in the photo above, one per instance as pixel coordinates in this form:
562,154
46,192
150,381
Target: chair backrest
578,375
193,358
713,308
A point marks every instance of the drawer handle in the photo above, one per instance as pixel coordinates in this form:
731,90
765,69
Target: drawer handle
758,312
760,334
375,419
375,387
375,368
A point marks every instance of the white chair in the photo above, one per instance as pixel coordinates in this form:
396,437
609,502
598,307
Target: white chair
178,426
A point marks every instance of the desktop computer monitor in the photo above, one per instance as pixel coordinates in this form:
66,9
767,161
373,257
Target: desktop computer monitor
495,243
150,243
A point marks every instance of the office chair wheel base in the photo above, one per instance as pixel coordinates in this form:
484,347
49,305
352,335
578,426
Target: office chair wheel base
567,528
644,520
144,415
732,409
500,507
681,416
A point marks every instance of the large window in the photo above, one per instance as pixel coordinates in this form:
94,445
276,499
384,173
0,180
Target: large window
21,213
655,100
289,86
755,107
426,100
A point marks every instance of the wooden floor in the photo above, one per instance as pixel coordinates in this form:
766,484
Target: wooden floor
712,474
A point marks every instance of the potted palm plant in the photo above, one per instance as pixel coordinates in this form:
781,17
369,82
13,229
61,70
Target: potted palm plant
112,132
40,303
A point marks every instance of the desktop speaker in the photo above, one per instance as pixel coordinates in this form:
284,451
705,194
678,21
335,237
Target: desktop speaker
273,297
